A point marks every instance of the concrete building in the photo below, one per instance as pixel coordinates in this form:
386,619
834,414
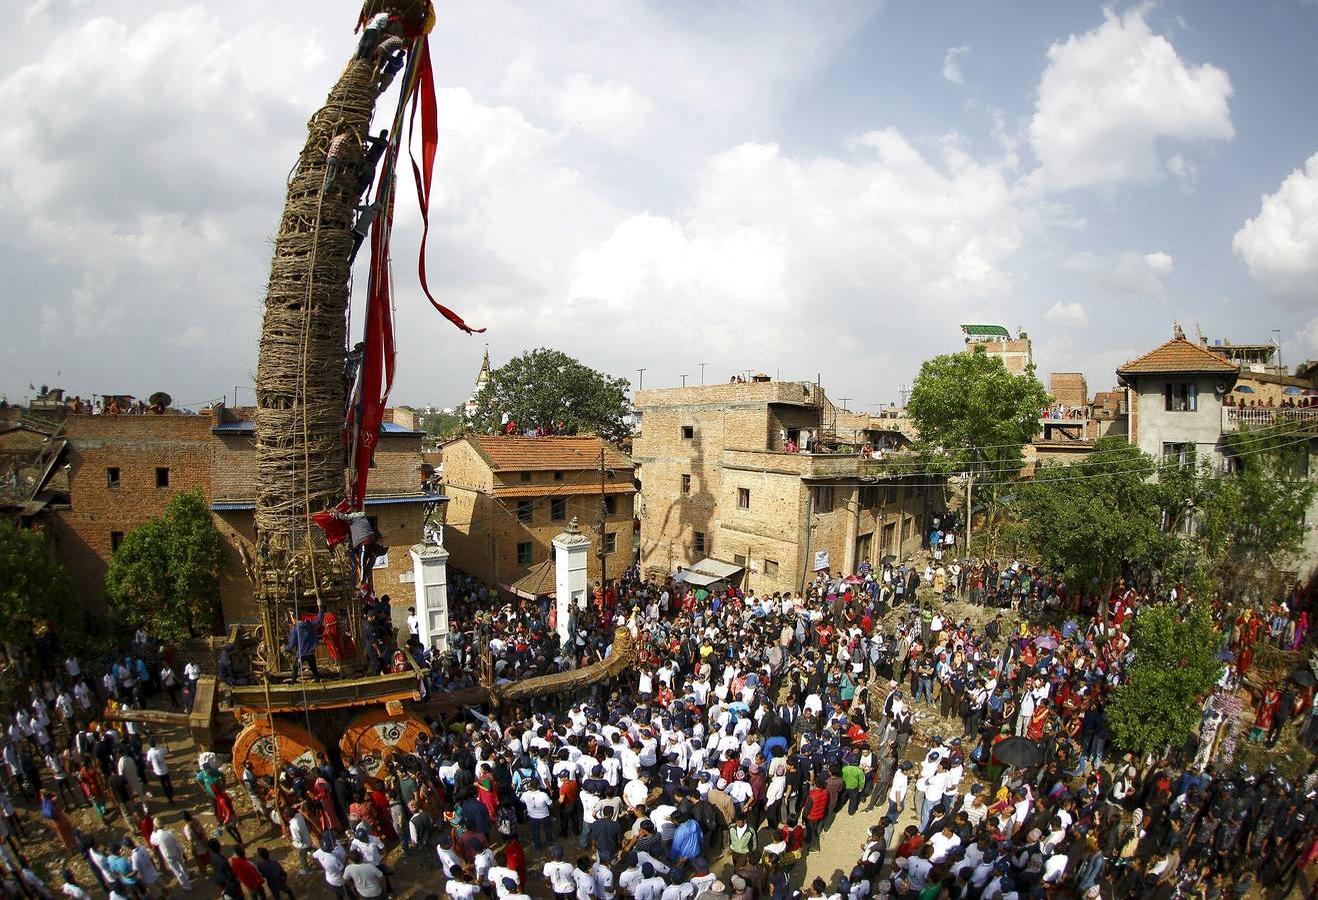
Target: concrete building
1016,353
116,472
719,480
1176,399
510,496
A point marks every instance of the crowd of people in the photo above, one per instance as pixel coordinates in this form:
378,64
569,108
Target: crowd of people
748,727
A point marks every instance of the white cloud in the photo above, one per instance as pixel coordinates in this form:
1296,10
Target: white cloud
1109,100
607,110
1279,246
1159,264
808,244
952,63
1067,313
1309,338
1140,274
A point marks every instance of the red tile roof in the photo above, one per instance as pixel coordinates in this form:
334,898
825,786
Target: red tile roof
1179,356
539,454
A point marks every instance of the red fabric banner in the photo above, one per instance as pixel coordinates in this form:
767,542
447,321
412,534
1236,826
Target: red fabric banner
425,97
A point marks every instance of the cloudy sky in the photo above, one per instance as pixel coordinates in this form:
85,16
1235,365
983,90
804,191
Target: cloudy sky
792,187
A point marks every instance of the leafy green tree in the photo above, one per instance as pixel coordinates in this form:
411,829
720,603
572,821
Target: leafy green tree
549,389
1096,519
441,425
34,588
166,573
974,416
1175,667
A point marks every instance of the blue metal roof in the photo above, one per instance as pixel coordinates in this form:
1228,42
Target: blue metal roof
237,505
247,427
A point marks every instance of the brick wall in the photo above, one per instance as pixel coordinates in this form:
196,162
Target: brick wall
483,531
1016,354
223,467
1069,388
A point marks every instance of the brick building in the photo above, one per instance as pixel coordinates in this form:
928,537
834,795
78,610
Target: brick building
117,472
718,480
1016,353
510,496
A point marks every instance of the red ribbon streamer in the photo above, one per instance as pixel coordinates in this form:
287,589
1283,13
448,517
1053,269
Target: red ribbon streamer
425,95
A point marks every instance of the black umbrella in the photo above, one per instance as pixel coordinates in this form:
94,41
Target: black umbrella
888,560
1303,677
1018,752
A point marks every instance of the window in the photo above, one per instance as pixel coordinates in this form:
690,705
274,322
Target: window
116,538
558,476
162,476
610,541
699,542
770,567
823,497
610,505
889,537
1180,396
524,509
892,493
906,528
739,559
686,484
743,498
688,432
526,476
864,547
525,553
558,509
869,497
1179,453
112,477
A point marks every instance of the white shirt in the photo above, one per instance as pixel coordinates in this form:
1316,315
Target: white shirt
332,865
559,874
155,758
537,803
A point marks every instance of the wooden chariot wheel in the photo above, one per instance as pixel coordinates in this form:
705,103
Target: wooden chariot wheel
374,737
268,751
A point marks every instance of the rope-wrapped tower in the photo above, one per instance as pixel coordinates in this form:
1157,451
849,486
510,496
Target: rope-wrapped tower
301,381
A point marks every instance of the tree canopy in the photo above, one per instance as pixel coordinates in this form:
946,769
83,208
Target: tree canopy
975,416
34,588
1175,666
165,575
550,390
1097,518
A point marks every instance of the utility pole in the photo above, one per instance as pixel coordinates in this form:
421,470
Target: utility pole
842,401
970,510
683,379
640,380
702,373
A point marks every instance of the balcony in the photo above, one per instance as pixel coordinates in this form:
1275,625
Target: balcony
806,465
1235,418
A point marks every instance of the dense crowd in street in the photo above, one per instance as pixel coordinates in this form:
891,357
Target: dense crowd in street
977,756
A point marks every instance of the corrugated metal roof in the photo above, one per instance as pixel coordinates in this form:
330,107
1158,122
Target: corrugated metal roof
994,331
235,505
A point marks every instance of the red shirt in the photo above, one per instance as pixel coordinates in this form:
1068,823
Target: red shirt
818,800
248,875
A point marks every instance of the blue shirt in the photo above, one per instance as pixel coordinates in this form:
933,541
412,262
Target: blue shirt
688,842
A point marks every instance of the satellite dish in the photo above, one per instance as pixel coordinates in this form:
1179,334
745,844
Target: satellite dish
1219,388
161,399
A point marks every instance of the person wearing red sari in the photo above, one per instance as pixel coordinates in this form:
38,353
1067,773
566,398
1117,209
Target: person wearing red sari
327,816
93,787
1038,720
383,816
225,813
1268,708
487,793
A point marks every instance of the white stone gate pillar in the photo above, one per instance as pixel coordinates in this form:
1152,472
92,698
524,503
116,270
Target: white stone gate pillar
430,574
569,575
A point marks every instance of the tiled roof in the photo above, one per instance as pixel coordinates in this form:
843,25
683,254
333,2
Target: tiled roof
1179,356
539,454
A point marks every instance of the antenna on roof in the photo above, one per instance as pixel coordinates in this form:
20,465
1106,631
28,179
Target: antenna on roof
1178,333
1198,332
